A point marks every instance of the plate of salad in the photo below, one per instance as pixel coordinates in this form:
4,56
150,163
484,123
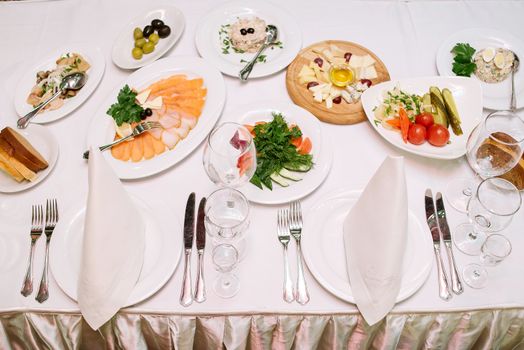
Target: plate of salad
293,157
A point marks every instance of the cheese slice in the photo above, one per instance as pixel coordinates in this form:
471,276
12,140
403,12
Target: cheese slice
329,103
367,60
306,71
368,73
307,79
355,61
317,96
336,51
156,103
141,98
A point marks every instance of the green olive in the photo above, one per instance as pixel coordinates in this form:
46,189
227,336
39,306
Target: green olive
137,33
137,53
154,38
140,42
148,47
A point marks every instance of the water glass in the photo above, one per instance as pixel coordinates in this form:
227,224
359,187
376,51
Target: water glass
225,259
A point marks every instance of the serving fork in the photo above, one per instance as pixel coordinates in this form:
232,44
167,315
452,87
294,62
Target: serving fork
51,218
137,130
284,237
295,228
37,225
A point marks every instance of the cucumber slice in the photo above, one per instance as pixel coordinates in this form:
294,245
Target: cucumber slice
291,175
279,180
298,167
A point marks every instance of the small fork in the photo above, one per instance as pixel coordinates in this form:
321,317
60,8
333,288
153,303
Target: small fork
295,228
137,130
37,225
284,238
51,218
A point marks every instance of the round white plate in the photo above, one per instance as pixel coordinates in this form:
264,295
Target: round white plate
101,131
322,151
94,57
325,256
498,95
161,253
45,143
468,98
125,42
209,44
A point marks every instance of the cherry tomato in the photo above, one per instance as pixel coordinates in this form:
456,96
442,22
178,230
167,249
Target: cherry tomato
438,135
417,134
425,119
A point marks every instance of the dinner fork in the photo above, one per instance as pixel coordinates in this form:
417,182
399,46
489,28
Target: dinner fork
137,130
37,225
295,228
51,218
284,238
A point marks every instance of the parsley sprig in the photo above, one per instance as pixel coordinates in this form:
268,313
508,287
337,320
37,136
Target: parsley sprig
463,64
126,110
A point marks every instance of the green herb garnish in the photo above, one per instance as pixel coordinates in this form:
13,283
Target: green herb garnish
126,110
463,64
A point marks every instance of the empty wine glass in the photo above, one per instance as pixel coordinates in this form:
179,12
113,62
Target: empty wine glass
495,249
490,209
229,155
225,259
494,147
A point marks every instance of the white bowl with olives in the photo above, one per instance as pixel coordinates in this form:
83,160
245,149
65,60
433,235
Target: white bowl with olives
148,37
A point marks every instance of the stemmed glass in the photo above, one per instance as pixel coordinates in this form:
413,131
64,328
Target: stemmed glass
490,209
225,259
494,147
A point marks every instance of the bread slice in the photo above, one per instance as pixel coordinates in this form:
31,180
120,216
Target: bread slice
23,149
14,163
11,171
11,151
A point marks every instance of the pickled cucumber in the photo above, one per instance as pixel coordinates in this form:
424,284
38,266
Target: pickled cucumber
440,117
451,109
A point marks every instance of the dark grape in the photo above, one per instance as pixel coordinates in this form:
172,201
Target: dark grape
311,84
319,61
366,81
347,56
337,100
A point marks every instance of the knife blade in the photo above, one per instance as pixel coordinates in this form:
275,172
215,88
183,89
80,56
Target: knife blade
431,219
456,284
186,295
200,288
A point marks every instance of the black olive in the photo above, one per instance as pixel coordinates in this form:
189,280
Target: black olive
243,31
148,112
143,114
157,23
164,31
148,30
250,30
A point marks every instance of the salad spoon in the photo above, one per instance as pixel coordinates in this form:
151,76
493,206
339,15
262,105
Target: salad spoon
73,81
514,70
271,39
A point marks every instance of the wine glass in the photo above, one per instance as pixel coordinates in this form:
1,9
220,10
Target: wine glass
229,155
495,249
490,209
494,147
225,259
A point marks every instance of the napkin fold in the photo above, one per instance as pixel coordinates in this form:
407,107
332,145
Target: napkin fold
375,232
113,245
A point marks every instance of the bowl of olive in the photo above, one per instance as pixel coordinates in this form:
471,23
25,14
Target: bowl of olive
148,37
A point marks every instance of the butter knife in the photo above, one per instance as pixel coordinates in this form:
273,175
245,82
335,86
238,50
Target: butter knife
431,219
456,285
200,288
186,295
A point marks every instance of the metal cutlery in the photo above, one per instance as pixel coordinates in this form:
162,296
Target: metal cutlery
137,130
200,288
456,285
51,218
186,295
284,237
37,225
514,69
271,39
295,228
431,219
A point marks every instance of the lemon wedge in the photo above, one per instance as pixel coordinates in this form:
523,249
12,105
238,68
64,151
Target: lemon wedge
123,130
499,60
488,54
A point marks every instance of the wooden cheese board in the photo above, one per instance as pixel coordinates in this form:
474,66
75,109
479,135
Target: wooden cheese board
342,113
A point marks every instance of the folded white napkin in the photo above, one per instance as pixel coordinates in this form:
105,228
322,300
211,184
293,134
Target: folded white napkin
375,232
113,245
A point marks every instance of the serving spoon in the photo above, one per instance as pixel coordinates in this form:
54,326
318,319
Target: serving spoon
515,68
73,81
271,39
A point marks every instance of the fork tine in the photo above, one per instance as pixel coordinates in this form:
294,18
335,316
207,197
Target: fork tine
32,215
56,211
47,211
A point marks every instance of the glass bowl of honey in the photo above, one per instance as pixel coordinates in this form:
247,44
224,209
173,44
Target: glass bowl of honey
341,75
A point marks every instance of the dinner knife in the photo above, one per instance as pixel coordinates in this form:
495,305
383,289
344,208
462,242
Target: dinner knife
186,295
200,288
456,285
431,219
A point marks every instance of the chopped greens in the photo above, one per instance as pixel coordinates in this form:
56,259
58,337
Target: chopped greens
125,110
463,64
260,59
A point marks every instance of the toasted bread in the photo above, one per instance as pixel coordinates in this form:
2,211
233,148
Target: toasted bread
20,168
9,170
11,151
23,150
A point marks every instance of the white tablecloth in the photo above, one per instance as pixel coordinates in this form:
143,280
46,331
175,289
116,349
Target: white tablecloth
405,35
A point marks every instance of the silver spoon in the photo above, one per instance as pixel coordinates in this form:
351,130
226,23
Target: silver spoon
515,68
73,81
271,38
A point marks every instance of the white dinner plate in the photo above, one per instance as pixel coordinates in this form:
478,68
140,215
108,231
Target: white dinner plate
325,256
322,151
496,96
94,57
210,46
102,131
45,143
161,253
125,41
468,98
